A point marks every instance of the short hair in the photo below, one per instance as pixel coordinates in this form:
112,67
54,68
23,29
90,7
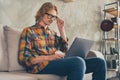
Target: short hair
44,9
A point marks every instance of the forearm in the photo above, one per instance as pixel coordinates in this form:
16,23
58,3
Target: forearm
62,34
39,59
60,24
47,58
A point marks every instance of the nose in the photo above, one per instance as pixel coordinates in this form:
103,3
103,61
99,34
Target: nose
51,20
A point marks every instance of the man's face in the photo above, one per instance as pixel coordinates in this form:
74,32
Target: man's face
49,17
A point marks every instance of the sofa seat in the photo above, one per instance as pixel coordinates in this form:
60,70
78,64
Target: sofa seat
9,76
22,75
39,76
10,69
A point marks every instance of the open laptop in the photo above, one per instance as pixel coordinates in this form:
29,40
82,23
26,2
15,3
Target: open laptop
80,47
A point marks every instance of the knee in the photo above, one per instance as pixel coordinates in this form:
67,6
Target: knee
78,62
102,63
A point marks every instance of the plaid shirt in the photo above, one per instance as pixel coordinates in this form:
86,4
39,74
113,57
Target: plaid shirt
37,41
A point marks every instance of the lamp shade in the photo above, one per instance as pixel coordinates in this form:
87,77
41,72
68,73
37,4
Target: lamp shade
106,25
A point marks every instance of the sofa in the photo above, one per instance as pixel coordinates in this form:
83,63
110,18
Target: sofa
9,67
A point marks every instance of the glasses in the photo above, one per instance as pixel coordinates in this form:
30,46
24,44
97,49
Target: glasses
50,16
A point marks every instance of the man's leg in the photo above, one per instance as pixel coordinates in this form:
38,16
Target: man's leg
74,68
97,66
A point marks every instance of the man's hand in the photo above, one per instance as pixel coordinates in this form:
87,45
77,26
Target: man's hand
60,23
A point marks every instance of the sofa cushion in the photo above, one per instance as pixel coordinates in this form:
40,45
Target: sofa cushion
49,76
40,76
88,76
94,53
9,76
12,37
3,51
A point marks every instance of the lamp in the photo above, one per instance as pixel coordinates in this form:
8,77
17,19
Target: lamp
106,25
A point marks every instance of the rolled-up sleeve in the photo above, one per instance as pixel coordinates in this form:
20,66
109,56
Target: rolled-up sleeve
61,44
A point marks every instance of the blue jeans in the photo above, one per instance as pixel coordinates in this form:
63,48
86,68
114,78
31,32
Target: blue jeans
75,68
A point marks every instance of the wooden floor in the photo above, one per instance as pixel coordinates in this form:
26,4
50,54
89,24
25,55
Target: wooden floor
114,78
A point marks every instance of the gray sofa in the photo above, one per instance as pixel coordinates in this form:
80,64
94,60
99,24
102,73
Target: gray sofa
9,67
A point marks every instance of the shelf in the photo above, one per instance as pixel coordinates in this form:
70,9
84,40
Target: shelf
111,57
112,11
110,69
111,54
111,49
112,39
116,26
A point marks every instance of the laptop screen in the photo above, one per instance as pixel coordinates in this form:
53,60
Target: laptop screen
80,47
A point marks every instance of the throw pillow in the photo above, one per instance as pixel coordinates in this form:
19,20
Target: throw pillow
12,37
3,51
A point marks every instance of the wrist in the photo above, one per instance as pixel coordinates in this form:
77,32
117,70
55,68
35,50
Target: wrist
61,29
46,58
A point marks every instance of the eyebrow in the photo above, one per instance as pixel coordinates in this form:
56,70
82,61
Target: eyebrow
51,15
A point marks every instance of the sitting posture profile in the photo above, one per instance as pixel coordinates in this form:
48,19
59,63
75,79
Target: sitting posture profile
40,46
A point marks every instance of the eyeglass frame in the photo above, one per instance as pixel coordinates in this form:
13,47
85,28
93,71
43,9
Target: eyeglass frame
50,16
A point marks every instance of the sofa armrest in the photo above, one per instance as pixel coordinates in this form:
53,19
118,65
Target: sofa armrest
93,53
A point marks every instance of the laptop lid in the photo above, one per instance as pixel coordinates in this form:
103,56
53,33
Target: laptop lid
80,47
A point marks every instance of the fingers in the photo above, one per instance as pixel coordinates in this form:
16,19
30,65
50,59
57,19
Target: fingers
59,20
60,25
60,56
52,51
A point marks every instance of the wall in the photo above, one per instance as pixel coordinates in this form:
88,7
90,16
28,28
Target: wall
82,17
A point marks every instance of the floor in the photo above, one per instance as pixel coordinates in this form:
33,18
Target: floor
114,78
112,75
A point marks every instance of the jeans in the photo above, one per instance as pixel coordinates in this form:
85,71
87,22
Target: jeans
75,68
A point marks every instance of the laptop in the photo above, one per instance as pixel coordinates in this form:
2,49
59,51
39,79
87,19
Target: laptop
80,47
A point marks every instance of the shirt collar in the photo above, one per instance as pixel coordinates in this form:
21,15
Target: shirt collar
40,26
